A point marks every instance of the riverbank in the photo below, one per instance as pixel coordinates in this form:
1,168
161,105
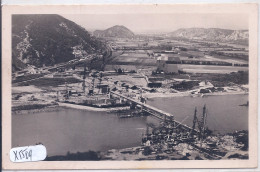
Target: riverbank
141,153
227,146
60,106
51,108
183,151
88,108
185,94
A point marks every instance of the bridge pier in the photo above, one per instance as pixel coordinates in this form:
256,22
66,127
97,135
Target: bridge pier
57,96
153,111
142,107
109,95
132,105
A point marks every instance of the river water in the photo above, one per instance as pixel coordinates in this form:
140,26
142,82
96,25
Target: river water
223,112
77,130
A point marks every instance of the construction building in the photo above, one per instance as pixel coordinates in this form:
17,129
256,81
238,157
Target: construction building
154,82
168,63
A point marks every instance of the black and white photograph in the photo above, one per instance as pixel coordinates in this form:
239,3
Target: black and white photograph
131,86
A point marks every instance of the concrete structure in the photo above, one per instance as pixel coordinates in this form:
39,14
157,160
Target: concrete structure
104,88
154,82
168,63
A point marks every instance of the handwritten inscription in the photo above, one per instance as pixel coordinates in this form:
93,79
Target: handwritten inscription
25,154
28,153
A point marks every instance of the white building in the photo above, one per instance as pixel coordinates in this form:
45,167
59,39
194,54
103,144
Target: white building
168,63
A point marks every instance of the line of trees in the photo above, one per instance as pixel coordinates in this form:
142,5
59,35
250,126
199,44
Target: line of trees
218,63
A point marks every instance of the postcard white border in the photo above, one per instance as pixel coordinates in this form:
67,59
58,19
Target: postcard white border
8,10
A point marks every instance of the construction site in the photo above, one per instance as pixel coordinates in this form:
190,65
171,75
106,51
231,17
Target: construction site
172,140
124,90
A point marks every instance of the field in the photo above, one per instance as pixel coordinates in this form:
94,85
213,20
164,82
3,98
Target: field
129,43
27,77
237,57
192,53
236,52
135,57
114,55
42,82
223,79
210,69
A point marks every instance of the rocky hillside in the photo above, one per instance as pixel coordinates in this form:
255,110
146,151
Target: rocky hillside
212,34
49,39
115,31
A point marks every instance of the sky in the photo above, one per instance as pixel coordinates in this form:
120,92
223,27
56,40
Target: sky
160,23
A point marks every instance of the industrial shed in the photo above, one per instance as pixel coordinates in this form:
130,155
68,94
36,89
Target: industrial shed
168,63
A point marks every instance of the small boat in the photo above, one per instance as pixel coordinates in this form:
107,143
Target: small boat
246,104
126,116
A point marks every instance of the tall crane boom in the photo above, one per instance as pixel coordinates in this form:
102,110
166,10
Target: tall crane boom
194,120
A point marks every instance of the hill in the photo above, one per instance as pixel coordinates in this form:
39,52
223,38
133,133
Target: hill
115,31
49,39
212,34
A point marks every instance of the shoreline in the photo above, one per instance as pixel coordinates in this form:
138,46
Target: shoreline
187,94
82,107
147,95
31,111
60,106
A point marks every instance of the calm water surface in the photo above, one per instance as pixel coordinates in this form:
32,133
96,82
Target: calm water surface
224,113
76,130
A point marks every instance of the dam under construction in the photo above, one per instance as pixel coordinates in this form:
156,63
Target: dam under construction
170,133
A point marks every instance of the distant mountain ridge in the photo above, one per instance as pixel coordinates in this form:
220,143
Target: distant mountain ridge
115,31
47,39
211,34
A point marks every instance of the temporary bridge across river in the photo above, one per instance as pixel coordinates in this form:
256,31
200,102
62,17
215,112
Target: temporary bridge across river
153,111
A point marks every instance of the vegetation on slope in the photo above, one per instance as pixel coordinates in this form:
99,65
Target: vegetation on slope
49,39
